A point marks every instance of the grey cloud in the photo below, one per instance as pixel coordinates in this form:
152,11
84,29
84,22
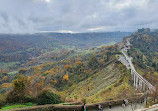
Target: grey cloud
28,16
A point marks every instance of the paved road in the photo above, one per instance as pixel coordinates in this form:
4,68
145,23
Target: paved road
151,108
123,60
132,107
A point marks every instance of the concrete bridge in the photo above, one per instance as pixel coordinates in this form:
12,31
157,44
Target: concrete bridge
139,82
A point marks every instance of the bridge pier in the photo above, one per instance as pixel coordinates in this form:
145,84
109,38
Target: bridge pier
139,82
144,87
136,82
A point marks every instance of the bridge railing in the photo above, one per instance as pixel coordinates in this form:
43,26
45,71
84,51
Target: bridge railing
140,77
145,81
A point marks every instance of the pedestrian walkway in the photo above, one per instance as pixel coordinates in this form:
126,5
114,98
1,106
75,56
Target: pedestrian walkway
133,107
151,108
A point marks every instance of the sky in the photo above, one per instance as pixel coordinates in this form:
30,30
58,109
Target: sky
73,16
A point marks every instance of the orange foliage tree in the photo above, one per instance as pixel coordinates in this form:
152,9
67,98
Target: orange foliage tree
66,77
4,78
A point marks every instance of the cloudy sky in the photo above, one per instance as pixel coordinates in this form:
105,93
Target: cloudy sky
29,16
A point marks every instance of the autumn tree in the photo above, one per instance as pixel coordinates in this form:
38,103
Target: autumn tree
22,71
148,75
20,90
79,66
101,62
68,67
66,77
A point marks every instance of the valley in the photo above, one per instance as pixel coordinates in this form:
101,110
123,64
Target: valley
73,72
78,55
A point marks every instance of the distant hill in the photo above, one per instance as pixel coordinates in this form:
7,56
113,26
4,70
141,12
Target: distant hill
16,49
15,42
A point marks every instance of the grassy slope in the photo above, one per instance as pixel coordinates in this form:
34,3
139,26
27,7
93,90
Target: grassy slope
102,86
95,83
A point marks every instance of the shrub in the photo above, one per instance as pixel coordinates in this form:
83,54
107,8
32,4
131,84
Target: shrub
84,101
2,100
47,97
14,97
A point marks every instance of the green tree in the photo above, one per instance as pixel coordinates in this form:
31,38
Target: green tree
93,62
22,71
47,97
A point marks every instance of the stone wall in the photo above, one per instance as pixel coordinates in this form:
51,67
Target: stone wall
78,107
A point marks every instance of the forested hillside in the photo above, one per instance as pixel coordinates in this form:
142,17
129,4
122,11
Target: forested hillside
74,75
144,51
17,49
85,78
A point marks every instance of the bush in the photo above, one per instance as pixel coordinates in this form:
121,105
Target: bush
13,97
2,100
84,101
47,97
